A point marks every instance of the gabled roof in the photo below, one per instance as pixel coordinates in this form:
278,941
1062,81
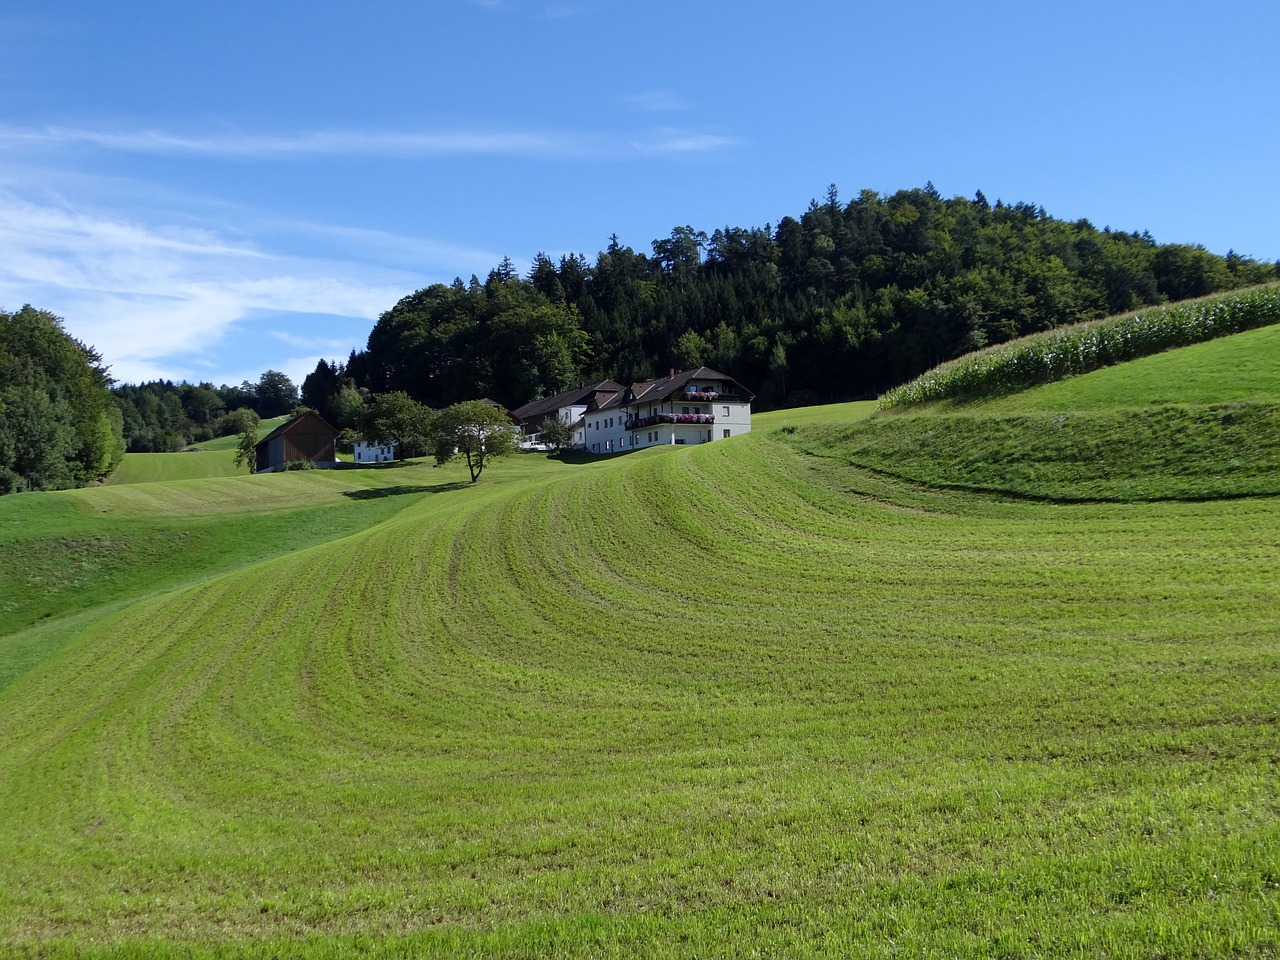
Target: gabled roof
310,417
570,398
661,389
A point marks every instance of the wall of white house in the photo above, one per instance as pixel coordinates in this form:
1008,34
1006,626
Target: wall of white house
606,430
368,452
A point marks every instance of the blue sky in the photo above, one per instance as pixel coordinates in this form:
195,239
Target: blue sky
206,191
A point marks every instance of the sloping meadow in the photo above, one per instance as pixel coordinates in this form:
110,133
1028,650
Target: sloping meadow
708,701
1198,422
1085,347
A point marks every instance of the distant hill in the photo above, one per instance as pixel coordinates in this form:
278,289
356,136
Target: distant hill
843,301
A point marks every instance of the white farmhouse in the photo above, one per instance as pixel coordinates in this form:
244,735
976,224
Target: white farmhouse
367,451
686,407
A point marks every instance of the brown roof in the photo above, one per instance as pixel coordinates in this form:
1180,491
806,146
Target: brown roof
539,408
661,389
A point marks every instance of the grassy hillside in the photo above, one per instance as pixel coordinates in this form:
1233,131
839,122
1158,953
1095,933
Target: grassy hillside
1085,347
1241,369
190,465
1193,423
231,442
212,458
714,701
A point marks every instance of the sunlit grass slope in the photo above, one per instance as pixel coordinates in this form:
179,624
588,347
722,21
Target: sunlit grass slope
75,551
1197,422
720,701
212,458
231,442
1240,369
190,465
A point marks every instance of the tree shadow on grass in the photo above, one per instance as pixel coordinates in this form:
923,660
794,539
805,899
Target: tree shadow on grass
581,456
405,489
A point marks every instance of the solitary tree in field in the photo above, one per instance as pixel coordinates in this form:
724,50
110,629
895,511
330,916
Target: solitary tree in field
475,430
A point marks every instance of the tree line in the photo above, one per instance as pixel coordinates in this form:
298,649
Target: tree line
59,427
842,302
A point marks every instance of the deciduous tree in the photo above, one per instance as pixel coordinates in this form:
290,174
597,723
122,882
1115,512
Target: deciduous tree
476,431
396,418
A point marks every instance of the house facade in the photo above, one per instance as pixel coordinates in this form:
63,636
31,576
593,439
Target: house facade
307,437
367,451
568,407
685,407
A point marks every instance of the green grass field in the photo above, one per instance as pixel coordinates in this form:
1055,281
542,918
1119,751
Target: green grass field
747,699
212,458
1154,428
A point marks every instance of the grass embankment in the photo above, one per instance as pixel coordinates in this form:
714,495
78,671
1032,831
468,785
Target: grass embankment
714,701
1085,347
1193,423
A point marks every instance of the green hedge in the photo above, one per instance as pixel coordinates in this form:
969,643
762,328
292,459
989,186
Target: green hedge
1083,347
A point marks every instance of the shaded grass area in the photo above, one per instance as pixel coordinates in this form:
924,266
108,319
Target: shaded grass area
711,701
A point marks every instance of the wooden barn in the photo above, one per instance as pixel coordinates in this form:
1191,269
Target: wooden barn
305,437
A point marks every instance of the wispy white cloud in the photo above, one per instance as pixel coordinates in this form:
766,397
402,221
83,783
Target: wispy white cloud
357,143
156,299
313,143
674,142
656,101
329,346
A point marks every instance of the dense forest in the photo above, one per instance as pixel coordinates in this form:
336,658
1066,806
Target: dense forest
58,425
843,302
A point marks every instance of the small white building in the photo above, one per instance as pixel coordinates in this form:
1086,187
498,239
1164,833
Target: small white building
686,407
367,451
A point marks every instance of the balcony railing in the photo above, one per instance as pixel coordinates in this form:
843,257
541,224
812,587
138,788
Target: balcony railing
697,419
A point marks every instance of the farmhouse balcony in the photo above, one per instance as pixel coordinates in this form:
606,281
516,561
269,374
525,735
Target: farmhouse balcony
695,419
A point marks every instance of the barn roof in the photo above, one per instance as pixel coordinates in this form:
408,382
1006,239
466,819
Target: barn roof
309,418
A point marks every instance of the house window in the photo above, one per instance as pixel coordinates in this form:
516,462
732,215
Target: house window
726,433
726,411
684,409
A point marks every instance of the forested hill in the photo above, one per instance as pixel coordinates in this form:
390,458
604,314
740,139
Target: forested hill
844,301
